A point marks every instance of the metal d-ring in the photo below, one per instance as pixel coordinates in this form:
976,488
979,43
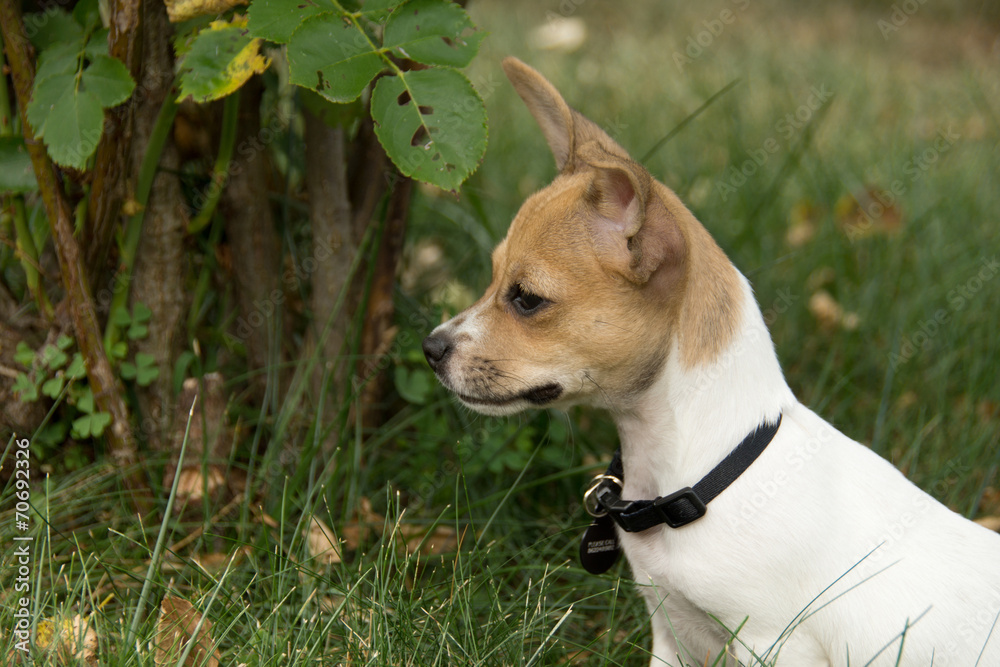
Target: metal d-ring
590,502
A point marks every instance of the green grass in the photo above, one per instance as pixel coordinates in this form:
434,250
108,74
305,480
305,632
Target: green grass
512,593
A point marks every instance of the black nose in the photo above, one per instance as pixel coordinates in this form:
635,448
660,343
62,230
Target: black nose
436,349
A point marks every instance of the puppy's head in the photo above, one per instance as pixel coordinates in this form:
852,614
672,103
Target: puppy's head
586,287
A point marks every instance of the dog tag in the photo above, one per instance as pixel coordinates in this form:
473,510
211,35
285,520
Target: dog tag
599,548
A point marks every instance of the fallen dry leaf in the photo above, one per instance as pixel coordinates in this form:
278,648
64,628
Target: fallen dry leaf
443,539
825,309
323,544
193,484
830,314
354,533
802,223
215,563
869,212
68,638
175,630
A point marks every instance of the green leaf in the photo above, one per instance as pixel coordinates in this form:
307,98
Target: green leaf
64,342
68,118
119,350
108,79
76,369
16,171
141,313
376,7
25,389
88,14
433,32
53,386
432,124
221,58
137,331
332,57
58,59
85,401
24,355
97,45
53,358
53,433
128,370
276,20
414,386
51,27
146,369
91,425
120,317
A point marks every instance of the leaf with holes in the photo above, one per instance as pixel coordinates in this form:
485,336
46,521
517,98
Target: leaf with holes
221,59
276,20
434,33
332,57
432,124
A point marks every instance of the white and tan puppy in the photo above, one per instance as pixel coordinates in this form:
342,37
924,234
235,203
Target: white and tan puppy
608,292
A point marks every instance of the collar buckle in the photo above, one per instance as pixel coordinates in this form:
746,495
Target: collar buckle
680,508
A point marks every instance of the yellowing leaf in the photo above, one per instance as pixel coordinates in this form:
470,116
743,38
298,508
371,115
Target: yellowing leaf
221,59
68,638
182,10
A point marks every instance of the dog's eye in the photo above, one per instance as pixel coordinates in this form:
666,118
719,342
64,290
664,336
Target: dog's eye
525,302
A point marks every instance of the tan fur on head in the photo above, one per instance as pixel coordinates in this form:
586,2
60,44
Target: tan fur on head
620,267
668,232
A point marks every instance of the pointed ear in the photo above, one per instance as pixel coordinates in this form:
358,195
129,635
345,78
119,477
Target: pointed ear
566,131
548,107
632,231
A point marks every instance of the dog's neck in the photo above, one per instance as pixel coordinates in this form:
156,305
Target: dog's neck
693,416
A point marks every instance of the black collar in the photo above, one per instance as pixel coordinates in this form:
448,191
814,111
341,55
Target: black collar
681,507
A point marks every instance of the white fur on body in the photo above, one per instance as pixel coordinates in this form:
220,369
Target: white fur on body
822,551
608,292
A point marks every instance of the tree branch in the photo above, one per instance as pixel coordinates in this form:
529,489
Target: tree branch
103,383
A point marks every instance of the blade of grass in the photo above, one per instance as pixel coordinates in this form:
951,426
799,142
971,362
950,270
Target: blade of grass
687,121
161,537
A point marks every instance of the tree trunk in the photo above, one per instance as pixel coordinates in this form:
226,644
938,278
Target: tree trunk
255,246
158,279
104,383
334,248
379,331
125,42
